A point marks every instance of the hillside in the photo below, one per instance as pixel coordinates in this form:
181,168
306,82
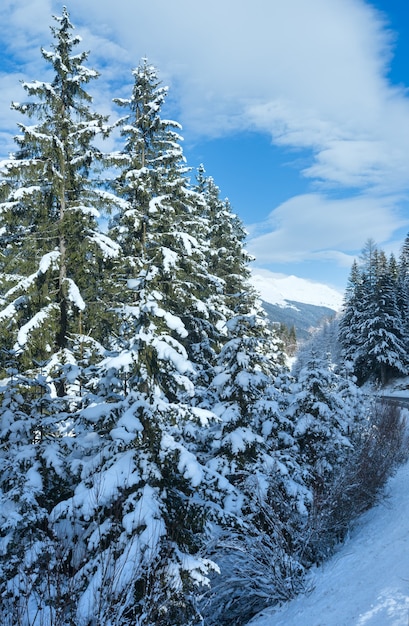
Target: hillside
304,317
294,301
366,582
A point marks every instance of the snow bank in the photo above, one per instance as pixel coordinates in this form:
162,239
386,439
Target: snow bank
366,583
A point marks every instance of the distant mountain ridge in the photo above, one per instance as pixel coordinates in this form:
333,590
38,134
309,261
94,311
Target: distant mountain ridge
295,301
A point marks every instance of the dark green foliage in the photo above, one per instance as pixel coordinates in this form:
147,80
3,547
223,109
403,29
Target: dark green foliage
51,270
372,327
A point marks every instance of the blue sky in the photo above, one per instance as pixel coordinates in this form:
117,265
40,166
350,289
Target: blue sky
299,110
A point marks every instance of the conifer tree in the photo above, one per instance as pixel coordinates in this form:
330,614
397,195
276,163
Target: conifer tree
160,227
402,293
142,508
383,335
323,426
52,265
372,334
350,335
52,287
252,439
229,260
33,477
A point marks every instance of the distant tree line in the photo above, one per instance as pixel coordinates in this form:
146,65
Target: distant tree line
374,326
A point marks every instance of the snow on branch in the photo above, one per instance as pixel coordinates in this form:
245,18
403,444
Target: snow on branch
173,322
170,258
155,203
11,309
18,194
36,321
189,242
47,261
188,464
74,294
86,210
109,248
178,357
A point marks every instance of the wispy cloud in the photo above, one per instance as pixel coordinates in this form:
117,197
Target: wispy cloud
314,227
313,75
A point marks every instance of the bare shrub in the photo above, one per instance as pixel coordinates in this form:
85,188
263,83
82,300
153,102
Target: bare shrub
382,447
356,486
257,565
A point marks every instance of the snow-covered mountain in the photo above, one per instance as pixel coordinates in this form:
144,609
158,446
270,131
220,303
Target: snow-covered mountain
281,290
295,301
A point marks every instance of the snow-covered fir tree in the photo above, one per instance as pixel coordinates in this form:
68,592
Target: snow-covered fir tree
251,443
350,336
322,425
372,331
33,477
53,296
142,508
53,250
402,293
328,415
384,342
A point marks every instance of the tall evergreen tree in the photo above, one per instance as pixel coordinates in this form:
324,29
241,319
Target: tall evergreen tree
141,510
160,227
53,253
33,476
52,288
322,426
383,335
350,335
402,295
372,333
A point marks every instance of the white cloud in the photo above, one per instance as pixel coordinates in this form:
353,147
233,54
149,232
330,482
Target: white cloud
314,227
311,74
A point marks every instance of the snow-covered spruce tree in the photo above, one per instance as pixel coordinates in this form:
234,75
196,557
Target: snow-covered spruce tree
388,349
383,341
53,253
52,285
252,440
228,258
162,227
372,332
253,447
139,518
350,335
326,423
249,353
33,477
402,293
321,425
358,309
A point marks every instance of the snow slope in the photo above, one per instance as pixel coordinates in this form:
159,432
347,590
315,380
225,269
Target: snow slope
279,289
366,583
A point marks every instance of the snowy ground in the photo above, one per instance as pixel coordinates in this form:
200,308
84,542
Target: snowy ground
366,583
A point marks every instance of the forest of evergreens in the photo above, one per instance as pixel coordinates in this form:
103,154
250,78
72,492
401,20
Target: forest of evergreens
159,463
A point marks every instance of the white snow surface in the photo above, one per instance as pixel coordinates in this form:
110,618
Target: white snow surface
74,294
366,583
279,288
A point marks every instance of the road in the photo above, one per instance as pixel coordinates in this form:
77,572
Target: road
402,401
